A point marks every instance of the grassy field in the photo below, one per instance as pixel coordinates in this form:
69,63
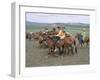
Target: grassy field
36,57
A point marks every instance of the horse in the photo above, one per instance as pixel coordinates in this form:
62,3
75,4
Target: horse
61,45
29,35
86,40
67,43
51,45
70,42
43,36
36,35
42,40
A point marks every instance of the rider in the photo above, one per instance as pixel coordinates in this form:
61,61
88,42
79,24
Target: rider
60,35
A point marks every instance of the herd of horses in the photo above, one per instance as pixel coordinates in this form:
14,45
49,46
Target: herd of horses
68,45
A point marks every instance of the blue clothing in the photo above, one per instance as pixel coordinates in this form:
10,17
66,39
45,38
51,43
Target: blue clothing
80,38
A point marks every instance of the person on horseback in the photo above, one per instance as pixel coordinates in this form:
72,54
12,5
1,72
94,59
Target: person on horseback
61,35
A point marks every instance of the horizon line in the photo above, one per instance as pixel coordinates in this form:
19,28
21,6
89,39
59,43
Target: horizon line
57,22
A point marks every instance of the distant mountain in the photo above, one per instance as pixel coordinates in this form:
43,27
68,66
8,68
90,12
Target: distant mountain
78,24
31,24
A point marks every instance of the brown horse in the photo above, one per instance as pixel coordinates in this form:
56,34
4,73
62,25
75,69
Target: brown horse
36,35
86,40
29,35
42,40
50,43
43,37
61,45
68,43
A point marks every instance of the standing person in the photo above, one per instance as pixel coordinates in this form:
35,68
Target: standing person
80,39
83,33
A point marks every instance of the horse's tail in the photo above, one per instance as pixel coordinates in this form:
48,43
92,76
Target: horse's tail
75,46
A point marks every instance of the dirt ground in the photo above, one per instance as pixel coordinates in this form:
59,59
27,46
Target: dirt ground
36,56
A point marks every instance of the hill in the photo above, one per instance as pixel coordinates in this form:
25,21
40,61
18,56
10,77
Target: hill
33,24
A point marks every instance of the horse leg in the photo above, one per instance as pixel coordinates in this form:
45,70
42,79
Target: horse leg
75,46
40,44
75,49
55,50
68,50
72,50
87,43
63,50
60,52
49,51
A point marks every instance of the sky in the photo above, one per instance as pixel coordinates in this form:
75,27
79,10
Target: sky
57,18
